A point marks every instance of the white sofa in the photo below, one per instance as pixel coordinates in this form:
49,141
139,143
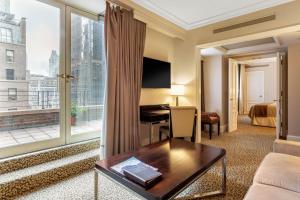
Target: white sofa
278,176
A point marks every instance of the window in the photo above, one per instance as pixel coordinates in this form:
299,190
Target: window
12,94
9,56
5,35
64,109
10,74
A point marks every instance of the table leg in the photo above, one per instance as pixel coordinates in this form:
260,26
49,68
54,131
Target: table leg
222,191
210,131
96,176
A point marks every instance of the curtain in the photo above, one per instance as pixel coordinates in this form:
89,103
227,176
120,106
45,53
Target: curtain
243,91
202,87
124,45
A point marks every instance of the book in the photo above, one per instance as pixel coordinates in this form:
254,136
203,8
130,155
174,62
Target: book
131,161
138,172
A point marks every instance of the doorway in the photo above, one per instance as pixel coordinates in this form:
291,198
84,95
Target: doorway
256,74
255,91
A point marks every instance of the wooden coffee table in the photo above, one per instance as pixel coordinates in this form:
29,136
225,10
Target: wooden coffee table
181,163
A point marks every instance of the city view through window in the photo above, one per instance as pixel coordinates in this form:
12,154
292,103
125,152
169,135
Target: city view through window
31,91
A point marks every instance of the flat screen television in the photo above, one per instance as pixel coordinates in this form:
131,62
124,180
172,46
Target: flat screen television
156,74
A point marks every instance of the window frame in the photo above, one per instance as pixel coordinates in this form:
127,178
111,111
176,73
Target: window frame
86,136
12,56
12,97
6,35
22,149
65,137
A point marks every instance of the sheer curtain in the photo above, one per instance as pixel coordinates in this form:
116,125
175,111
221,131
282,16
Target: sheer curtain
124,43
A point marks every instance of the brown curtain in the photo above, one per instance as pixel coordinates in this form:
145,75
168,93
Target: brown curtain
202,87
125,41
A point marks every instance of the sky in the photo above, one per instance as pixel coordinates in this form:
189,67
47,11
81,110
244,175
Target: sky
42,35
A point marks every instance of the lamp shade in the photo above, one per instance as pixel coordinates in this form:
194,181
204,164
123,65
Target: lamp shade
177,90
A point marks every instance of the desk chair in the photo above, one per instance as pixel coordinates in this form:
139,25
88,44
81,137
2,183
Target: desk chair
182,123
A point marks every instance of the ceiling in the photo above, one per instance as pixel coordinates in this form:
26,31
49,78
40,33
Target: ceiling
190,14
93,6
249,43
256,62
265,44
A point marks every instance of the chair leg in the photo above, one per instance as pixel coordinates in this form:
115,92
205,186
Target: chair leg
210,131
219,128
160,135
192,139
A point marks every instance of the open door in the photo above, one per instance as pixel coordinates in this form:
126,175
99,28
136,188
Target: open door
233,95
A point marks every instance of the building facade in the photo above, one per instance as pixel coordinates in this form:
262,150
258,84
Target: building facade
87,62
43,92
13,83
53,64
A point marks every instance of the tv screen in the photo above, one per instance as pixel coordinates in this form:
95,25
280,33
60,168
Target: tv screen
156,74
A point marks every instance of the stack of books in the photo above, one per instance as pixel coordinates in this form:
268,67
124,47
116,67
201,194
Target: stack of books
138,172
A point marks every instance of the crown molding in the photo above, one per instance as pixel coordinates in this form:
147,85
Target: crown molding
197,23
155,21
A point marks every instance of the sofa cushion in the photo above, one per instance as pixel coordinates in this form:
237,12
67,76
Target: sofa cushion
265,192
280,170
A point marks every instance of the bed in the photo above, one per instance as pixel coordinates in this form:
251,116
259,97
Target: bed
263,114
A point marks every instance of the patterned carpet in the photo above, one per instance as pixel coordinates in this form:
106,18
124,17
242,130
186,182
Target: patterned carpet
245,150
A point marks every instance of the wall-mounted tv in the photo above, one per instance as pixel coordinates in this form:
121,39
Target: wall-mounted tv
156,74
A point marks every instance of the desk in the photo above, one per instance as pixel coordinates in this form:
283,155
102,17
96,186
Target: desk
190,160
154,114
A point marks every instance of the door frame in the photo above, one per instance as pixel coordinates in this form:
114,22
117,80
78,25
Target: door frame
244,38
233,94
84,136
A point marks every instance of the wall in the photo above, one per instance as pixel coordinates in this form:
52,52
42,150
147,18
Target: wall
293,91
158,46
216,87
270,80
161,47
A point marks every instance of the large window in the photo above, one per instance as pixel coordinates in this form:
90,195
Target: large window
87,68
55,66
5,35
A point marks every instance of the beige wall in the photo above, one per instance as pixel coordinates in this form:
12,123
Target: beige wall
293,90
216,87
161,47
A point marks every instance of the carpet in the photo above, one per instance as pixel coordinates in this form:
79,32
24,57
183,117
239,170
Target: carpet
245,148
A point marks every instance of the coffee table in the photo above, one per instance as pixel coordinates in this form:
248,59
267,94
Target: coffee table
181,163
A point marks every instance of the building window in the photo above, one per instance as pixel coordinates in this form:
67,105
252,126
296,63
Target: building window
10,74
10,56
5,35
12,94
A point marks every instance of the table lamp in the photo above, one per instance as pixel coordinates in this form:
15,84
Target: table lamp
177,90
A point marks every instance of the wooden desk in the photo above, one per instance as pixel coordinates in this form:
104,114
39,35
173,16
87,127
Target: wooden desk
181,163
154,114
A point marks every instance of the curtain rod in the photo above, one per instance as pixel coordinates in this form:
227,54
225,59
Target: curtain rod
117,3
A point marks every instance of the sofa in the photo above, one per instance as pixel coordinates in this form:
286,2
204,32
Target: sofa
278,176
